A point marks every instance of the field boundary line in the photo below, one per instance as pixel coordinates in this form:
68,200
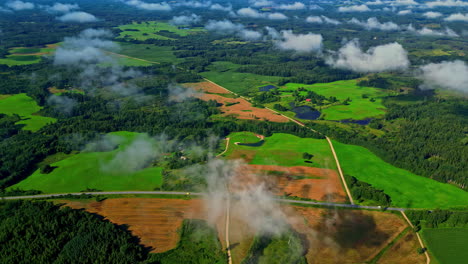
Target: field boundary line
226,149
339,170
133,58
428,259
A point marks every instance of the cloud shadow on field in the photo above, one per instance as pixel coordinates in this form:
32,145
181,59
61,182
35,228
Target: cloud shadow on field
350,228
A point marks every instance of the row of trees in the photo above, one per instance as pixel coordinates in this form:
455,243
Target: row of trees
362,191
438,218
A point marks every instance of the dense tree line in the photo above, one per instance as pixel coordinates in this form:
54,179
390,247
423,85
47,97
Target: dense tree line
438,218
41,232
362,191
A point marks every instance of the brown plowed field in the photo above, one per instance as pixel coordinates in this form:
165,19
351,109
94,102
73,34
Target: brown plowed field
323,184
345,236
404,251
208,87
240,107
154,221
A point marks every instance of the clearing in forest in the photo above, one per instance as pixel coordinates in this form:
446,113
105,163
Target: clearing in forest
224,73
233,106
101,166
281,149
26,108
27,55
363,102
155,30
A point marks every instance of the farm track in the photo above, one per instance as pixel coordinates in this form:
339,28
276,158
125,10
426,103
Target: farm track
419,238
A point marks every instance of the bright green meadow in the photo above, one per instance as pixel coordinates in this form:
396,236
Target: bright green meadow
359,108
283,150
406,189
224,73
447,245
107,170
25,107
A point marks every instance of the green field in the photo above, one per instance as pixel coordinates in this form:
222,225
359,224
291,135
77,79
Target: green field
25,107
149,30
97,170
224,73
149,52
359,108
447,245
283,150
24,56
405,188
13,60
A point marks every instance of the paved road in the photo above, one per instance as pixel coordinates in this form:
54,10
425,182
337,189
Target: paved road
283,200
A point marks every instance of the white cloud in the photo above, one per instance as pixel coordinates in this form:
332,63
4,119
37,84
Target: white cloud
287,40
403,3
447,32
457,17
446,3
404,12
221,8
431,14
249,12
149,6
226,27
373,23
377,2
20,5
194,4
87,53
315,7
322,19
449,75
258,3
80,17
185,20
377,59
252,13
250,35
276,16
354,8
61,8
295,6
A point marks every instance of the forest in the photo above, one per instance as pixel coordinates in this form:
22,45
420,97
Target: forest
62,235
